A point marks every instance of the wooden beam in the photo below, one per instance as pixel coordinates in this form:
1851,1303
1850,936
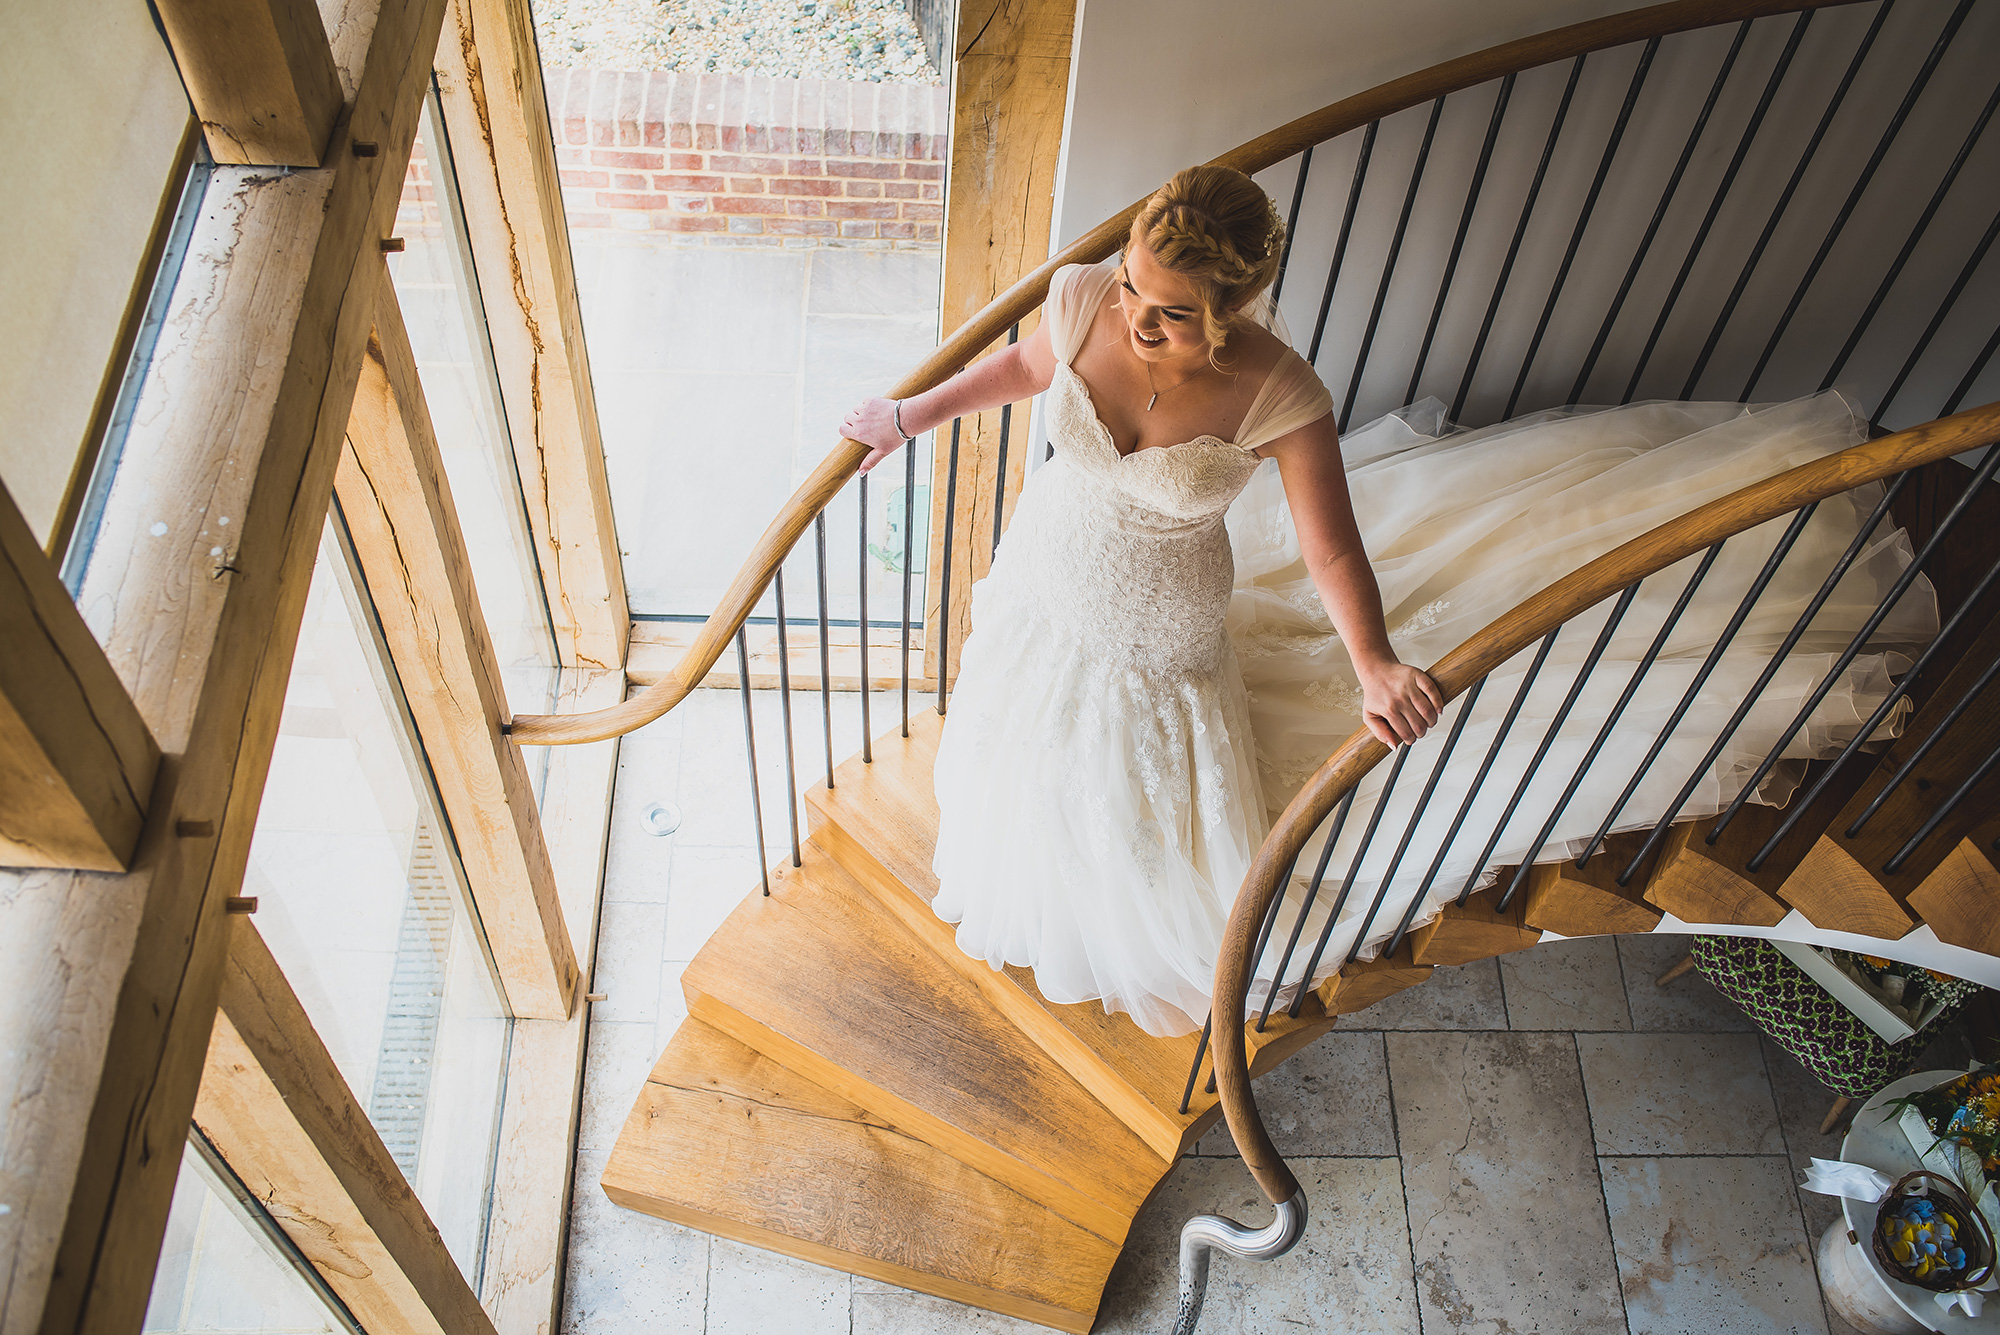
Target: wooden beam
397,504
261,77
496,116
528,1230
1009,87
279,1111
196,591
76,761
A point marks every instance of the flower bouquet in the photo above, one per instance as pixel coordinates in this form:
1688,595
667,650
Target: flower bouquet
1955,1130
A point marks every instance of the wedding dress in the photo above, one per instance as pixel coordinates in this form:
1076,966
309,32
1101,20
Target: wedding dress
1151,674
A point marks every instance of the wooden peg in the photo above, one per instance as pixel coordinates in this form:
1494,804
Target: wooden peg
391,244
195,829
366,148
240,904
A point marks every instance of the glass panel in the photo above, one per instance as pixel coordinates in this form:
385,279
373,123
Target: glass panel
364,907
220,1271
95,116
441,305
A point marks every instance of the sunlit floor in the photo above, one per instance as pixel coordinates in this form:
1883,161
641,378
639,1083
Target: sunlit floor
1548,1142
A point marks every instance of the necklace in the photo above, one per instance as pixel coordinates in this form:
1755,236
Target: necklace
1169,389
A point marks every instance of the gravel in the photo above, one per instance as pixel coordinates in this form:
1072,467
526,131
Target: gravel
872,41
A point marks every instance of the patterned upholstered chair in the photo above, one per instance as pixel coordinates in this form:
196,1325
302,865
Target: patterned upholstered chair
1801,1017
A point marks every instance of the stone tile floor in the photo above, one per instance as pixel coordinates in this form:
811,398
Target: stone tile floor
1546,1142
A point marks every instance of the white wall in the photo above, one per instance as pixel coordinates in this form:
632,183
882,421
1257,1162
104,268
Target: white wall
1158,84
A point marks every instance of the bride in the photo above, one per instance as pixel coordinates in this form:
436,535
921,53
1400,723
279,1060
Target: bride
1104,777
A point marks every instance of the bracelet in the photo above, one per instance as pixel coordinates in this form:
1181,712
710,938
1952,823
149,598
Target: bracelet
907,437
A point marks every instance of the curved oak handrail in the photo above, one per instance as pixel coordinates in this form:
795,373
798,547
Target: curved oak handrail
1489,648
1032,289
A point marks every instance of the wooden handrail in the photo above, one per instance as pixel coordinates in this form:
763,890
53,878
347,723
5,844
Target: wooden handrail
1489,648
1011,306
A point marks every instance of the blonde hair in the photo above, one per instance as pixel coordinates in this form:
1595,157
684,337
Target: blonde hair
1217,228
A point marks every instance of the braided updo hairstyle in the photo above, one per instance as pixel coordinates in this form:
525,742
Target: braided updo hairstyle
1217,228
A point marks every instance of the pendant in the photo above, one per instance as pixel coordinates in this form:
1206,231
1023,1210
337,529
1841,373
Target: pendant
1150,402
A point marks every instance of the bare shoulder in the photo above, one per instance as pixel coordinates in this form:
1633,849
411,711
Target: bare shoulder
1254,352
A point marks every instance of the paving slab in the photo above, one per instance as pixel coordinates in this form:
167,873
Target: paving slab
1351,1271
1688,1004
755,1292
1574,984
1711,1245
1679,1094
628,1271
1506,1216
1463,996
1331,1099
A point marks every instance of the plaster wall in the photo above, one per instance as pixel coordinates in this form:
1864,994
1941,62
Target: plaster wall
1158,84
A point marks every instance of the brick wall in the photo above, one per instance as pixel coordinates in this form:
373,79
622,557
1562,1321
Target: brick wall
749,160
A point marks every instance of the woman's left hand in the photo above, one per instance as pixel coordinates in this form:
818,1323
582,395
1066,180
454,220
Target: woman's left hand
1399,703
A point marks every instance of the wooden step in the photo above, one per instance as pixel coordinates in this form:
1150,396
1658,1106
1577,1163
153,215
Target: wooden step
1569,900
727,1141
880,821
820,977
1960,900
1475,930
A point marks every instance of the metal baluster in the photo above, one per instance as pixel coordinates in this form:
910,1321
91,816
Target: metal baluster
750,749
1972,374
1346,231
1722,643
1305,906
1583,219
1616,712
1882,711
1937,818
1785,197
1659,213
1292,223
944,583
1520,232
867,684
909,559
1347,884
825,654
1194,1071
1937,321
1464,226
1875,619
1389,264
1000,472
1756,690
1909,766
1271,921
1549,739
1468,700
1722,189
1403,844
1854,196
1916,235
785,712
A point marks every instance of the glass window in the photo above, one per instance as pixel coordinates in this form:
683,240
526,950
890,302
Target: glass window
439,296
364,907
225,1266
96,118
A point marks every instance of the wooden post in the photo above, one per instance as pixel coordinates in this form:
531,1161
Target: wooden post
281,1114
260,75
1009,86
397,503
490,84
76,761
196,591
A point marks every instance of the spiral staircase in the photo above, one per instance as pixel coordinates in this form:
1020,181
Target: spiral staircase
851,1089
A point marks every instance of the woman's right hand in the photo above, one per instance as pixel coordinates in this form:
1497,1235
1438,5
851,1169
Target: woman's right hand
873,423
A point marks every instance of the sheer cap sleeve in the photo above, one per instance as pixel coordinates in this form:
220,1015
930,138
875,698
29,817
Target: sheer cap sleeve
1291,397
1075,293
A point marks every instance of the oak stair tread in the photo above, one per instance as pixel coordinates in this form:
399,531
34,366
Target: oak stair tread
819,976
880,821
725,1140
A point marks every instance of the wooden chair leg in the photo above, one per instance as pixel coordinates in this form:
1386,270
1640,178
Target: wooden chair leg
1833,1116
1685,966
